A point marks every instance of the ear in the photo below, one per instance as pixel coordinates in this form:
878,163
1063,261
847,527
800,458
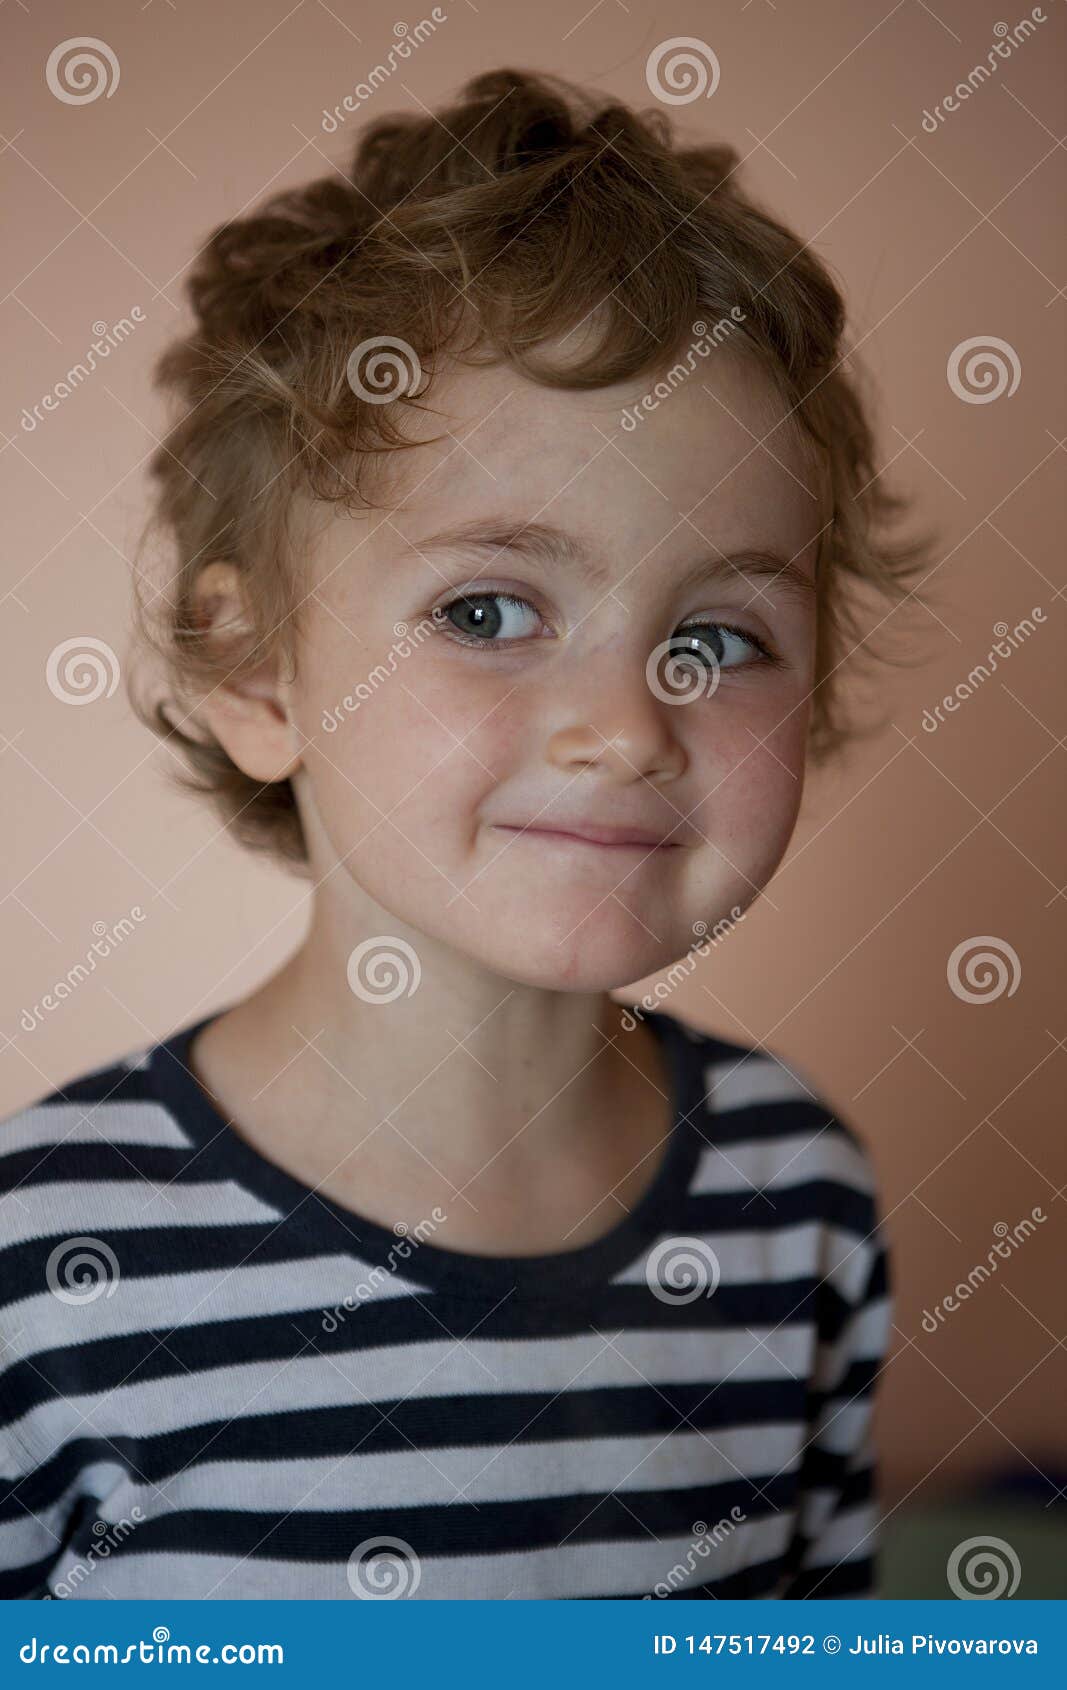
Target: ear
249,716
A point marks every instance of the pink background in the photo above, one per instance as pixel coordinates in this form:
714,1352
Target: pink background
923,841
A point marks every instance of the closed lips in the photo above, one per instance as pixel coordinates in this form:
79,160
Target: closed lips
633,838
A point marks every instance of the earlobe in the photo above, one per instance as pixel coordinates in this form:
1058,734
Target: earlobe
247,714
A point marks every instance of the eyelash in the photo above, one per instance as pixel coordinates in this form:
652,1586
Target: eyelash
766,654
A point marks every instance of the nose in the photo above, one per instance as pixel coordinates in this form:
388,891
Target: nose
625,734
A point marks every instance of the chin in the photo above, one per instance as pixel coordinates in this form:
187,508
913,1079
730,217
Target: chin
605,954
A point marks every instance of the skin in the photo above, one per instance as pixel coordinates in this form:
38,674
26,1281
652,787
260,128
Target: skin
424,806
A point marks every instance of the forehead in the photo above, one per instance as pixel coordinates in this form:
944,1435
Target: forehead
714,454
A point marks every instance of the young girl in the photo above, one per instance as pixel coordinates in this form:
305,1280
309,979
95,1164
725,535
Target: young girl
515,485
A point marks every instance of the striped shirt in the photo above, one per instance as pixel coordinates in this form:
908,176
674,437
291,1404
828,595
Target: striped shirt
216,1383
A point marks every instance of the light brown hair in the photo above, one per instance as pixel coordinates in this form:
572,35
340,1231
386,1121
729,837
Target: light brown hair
526,211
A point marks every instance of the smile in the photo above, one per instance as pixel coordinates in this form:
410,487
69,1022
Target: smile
599,838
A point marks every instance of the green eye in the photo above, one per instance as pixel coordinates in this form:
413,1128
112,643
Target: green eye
715,644
486,617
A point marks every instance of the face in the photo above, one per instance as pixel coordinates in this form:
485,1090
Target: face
591,737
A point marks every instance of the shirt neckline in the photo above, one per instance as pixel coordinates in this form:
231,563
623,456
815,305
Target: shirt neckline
331,1227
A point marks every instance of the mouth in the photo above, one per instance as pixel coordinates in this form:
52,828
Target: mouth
599,838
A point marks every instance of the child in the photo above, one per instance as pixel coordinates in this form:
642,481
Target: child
515,484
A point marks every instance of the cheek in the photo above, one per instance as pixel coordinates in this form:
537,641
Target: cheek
751,791
417,744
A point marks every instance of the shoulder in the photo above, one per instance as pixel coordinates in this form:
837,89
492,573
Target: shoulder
754,1095
101,1186
63,1129
775,1146
90,1158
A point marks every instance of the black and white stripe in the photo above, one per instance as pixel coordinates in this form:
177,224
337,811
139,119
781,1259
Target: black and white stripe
525,1427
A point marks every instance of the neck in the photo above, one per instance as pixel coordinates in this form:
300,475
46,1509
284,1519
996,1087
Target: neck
472,1092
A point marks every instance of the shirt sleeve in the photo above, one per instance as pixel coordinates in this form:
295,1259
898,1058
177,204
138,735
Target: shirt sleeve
834,1548
31,1523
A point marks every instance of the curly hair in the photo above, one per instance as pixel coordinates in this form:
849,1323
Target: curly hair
518,214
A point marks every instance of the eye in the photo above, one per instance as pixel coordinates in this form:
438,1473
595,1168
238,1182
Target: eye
718,642
485,618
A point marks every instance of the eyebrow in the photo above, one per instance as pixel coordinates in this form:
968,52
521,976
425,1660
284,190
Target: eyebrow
547,544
